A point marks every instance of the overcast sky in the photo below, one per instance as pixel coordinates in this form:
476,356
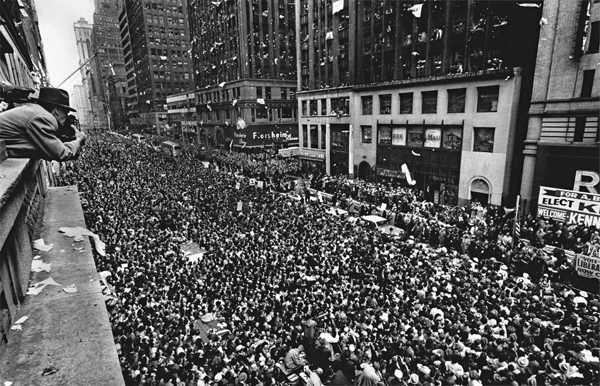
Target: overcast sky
56,19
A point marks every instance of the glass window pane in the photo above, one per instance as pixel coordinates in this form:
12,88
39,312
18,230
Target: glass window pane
429,102
452,138
385,104
366,132
433,137
456,100
487,99
385,135
484,139
314,136
367,105
406,103
399,136
415,136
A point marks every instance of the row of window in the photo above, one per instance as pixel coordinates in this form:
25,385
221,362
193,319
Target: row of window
260,113
487,101
433,137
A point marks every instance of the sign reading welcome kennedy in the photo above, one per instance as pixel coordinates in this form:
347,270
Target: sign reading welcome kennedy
569,206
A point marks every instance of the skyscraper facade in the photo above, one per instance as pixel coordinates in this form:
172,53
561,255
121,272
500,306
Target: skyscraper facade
438,86
562,148
22,60
108,68
156,42
83,37
244,59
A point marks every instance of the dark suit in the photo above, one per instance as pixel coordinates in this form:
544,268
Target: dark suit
30,131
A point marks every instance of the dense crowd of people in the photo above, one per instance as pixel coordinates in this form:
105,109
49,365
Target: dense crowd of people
298,290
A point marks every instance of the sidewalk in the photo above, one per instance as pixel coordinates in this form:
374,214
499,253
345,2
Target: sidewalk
67,335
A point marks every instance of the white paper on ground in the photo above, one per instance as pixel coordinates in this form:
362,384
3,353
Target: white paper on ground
40,246
79,232
70,289
22,320
39,266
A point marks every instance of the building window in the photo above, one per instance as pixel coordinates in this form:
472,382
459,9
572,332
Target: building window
415,137
406,103
283,93
323,136
304,107
367,105
588,83
314,136
259,93
385,104
484,139
456,100
340,139
433,137
286,112
399,136
313,107
594,38
304,142
366,133
487,99
340,106
579,129
268,92
385,135
452,138
429,102
262,113
323,106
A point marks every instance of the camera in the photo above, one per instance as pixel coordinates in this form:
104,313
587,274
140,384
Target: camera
66,131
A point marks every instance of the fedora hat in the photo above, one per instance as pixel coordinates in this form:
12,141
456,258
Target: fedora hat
55,96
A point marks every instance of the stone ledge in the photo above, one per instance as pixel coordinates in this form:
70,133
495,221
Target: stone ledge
68,331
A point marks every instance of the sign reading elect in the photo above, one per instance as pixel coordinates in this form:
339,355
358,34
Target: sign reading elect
569,206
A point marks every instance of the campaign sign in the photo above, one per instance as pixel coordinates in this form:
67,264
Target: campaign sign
569,206
588,266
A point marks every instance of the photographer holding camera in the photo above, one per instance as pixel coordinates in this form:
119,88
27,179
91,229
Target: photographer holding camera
42,130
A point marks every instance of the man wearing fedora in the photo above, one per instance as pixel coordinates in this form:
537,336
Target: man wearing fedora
31,130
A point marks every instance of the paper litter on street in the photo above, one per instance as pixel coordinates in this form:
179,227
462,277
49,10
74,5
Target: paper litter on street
70,289
38,287
40,246
78,232
38,265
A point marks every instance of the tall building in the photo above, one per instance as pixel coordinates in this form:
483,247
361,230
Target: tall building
22,60
108,67
562,149
439,86
83,36
80,101
156,42
244,57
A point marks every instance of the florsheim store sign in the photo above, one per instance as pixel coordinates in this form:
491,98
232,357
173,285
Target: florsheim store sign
256,136
569,206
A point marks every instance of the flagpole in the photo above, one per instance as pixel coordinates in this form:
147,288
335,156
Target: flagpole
516,233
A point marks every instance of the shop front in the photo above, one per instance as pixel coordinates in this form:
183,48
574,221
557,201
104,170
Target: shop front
255,136
432,154
312,161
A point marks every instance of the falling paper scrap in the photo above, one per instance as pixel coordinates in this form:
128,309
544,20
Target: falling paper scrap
38,265
70,289
40,246
79,232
